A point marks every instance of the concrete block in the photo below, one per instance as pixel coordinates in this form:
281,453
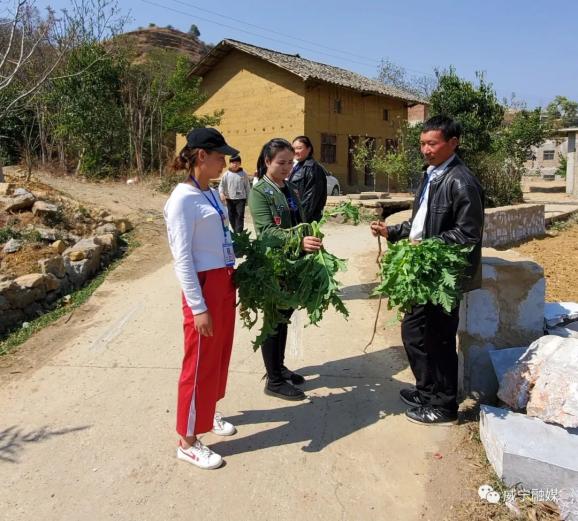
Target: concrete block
476,372
526,450
508,311
503,360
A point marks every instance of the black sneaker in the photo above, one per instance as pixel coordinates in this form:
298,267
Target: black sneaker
294,378
412,397
431,416
285,391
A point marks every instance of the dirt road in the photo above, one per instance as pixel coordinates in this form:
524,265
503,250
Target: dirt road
88,406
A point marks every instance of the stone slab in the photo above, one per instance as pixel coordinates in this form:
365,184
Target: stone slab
557,312
567,331
505,359
526,450
557,216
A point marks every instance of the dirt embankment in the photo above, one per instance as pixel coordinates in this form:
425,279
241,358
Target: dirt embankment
557,253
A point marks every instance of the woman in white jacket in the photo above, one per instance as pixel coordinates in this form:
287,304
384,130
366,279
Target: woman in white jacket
200,241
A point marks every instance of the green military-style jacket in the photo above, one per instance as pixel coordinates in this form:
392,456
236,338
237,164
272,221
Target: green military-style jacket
270,210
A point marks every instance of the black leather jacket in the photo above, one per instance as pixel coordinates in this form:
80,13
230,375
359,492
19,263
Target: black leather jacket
311,183
455,214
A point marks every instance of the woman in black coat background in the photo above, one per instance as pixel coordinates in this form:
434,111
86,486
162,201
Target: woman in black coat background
309,178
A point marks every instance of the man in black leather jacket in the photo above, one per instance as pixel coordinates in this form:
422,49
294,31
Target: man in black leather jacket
449,205
310,179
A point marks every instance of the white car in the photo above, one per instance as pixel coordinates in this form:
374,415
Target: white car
333,187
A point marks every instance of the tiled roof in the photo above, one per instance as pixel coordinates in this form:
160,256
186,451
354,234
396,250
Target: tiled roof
306,69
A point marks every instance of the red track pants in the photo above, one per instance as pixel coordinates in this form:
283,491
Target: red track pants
206,362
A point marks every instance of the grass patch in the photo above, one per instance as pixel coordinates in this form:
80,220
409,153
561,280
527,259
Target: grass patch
67,303
7,233
168,182
560,226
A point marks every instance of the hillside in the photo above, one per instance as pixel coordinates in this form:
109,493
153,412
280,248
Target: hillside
150,39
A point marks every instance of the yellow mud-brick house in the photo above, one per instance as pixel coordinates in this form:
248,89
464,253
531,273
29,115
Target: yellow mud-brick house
266,94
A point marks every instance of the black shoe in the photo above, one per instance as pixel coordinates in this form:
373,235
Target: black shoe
285,391
412,397
431,416
294,378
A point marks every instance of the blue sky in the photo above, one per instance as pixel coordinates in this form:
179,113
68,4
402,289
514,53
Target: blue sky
524,47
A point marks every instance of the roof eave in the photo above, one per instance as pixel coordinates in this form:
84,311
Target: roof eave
368,92
215,55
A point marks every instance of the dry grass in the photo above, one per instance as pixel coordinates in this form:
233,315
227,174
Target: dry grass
24,261
469,469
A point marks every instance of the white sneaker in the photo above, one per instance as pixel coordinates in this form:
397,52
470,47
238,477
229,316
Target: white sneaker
200,455
222,427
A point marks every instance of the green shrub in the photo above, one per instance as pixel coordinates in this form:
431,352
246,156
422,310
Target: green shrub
562,167
8,233
500,178
31,236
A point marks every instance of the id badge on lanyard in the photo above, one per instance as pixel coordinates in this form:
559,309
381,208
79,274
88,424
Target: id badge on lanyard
229,254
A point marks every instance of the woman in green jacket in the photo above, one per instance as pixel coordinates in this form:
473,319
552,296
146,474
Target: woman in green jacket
275,206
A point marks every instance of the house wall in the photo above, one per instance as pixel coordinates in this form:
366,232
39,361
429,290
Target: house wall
547,166
360,116
260,102
417,114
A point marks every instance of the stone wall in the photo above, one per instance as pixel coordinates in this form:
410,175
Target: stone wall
29,296
510,224
508,311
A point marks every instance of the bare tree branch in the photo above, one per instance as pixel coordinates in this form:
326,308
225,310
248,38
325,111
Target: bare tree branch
13,23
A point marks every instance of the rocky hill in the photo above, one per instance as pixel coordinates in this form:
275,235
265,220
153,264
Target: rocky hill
145,41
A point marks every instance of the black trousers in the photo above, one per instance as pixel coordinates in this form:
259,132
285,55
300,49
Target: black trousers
429,338
273,350
236,208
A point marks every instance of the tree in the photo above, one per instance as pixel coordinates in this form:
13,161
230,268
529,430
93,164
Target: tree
400,161
390,73
562,112
526,130
88,110
493,149
475,107
34,49
184,96
194,31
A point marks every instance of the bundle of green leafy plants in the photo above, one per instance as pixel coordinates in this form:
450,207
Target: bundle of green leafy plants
348,211
428,272
273,279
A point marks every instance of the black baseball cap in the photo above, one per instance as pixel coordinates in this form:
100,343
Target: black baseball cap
236,158
209,139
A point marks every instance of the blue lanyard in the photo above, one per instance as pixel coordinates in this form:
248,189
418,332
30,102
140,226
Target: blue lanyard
214,204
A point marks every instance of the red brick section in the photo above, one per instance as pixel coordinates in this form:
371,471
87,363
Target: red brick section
417,113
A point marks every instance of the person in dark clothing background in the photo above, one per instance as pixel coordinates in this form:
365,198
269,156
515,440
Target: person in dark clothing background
309,178
234,189
449,205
